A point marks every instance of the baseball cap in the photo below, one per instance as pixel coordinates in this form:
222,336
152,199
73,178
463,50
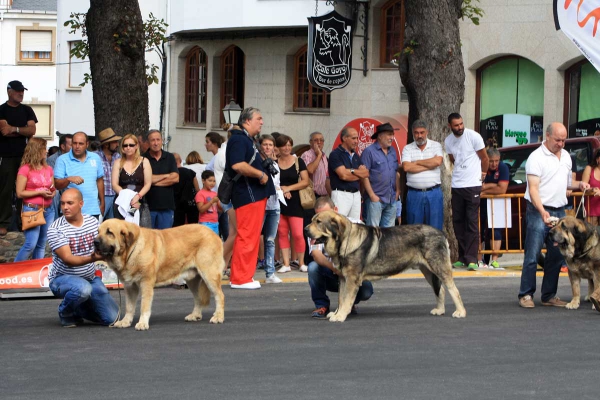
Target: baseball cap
16,85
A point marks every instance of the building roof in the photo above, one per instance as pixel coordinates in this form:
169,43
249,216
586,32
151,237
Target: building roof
35,5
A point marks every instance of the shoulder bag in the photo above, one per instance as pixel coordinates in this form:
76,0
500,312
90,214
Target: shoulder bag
32,219
307,195
225,189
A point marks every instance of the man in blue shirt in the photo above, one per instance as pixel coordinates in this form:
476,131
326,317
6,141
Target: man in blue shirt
345,172
82,169
382,162
249,197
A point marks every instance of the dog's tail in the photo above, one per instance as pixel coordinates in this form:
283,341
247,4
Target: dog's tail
204,293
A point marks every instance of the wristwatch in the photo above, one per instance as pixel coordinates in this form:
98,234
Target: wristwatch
352,171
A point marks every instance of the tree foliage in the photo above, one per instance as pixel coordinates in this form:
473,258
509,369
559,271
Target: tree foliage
154,38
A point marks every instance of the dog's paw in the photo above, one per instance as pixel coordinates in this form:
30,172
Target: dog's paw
193,317
459,314
142,326
331,314
573,305
337,318
437,311
217,319
121,324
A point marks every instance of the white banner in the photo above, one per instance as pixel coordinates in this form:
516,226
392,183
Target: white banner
578,19
516,129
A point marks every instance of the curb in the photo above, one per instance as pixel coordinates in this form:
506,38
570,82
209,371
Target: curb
418,275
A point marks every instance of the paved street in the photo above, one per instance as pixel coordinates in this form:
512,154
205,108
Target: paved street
269,348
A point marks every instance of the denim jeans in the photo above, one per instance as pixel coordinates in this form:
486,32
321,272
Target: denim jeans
108,207
35,238
425,208
84,299
162,219
536,235
213,226
269,232
321,279
380,214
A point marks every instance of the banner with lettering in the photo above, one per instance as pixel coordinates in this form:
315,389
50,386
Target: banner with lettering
516,129
329,54
33,274
578,19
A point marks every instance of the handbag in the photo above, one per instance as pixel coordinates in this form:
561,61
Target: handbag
225,189
32,219
307,195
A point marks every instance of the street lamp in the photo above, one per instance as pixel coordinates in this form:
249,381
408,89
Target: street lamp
231,112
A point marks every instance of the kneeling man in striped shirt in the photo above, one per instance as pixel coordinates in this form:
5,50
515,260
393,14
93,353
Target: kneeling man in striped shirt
72,275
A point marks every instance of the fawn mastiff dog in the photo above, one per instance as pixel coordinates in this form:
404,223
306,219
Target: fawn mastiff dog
144,258
579,243
362,252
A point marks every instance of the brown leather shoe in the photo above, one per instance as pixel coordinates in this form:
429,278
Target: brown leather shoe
554,302
526,302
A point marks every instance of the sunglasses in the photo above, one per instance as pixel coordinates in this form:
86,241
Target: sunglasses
129,145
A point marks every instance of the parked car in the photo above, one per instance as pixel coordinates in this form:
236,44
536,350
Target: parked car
581,151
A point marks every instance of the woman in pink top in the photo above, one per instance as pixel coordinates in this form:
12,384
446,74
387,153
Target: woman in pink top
35,185
591,175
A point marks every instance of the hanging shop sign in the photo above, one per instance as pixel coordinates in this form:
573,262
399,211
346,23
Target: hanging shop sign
329,63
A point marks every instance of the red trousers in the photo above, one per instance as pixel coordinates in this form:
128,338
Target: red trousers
245,248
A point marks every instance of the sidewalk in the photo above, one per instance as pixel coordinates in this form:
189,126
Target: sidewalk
510,266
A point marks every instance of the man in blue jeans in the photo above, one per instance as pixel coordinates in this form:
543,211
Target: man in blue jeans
549,176
421,161
161,197
381,160
72,275
323,276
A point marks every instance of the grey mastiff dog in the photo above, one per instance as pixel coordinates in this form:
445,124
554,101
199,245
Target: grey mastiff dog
362,252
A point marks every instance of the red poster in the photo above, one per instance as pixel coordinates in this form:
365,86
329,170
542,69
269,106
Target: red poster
366,127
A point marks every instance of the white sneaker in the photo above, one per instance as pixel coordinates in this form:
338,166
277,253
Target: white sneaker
249,285
273,279
284,269
303,268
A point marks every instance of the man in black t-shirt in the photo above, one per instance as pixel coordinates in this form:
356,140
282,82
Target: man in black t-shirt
184,191
160,198
17,123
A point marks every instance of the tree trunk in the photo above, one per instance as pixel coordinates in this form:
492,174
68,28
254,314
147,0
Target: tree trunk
120,89
431,70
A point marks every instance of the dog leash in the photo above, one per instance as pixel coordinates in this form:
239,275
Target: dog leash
581,203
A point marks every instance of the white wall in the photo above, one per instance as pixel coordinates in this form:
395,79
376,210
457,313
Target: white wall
223,14
39,79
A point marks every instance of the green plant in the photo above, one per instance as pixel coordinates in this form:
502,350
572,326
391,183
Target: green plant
154,37
471,11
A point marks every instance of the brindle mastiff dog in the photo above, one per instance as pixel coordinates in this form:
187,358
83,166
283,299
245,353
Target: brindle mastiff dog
144,258
366,253
579,243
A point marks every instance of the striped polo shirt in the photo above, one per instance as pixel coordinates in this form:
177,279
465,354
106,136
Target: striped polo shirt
90,170
81,242
425,179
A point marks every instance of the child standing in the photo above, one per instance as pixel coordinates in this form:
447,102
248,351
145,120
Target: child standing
208,203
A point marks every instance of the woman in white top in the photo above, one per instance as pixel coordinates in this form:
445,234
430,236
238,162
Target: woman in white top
194,162
271,223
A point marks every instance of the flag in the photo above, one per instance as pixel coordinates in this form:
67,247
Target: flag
579,20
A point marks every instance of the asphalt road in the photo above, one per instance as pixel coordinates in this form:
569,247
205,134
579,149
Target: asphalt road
270,348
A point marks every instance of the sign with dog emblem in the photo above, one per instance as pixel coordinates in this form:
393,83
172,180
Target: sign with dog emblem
329,63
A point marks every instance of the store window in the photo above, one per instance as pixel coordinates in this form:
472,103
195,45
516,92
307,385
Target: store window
195,87
510,102
306,96
582,112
